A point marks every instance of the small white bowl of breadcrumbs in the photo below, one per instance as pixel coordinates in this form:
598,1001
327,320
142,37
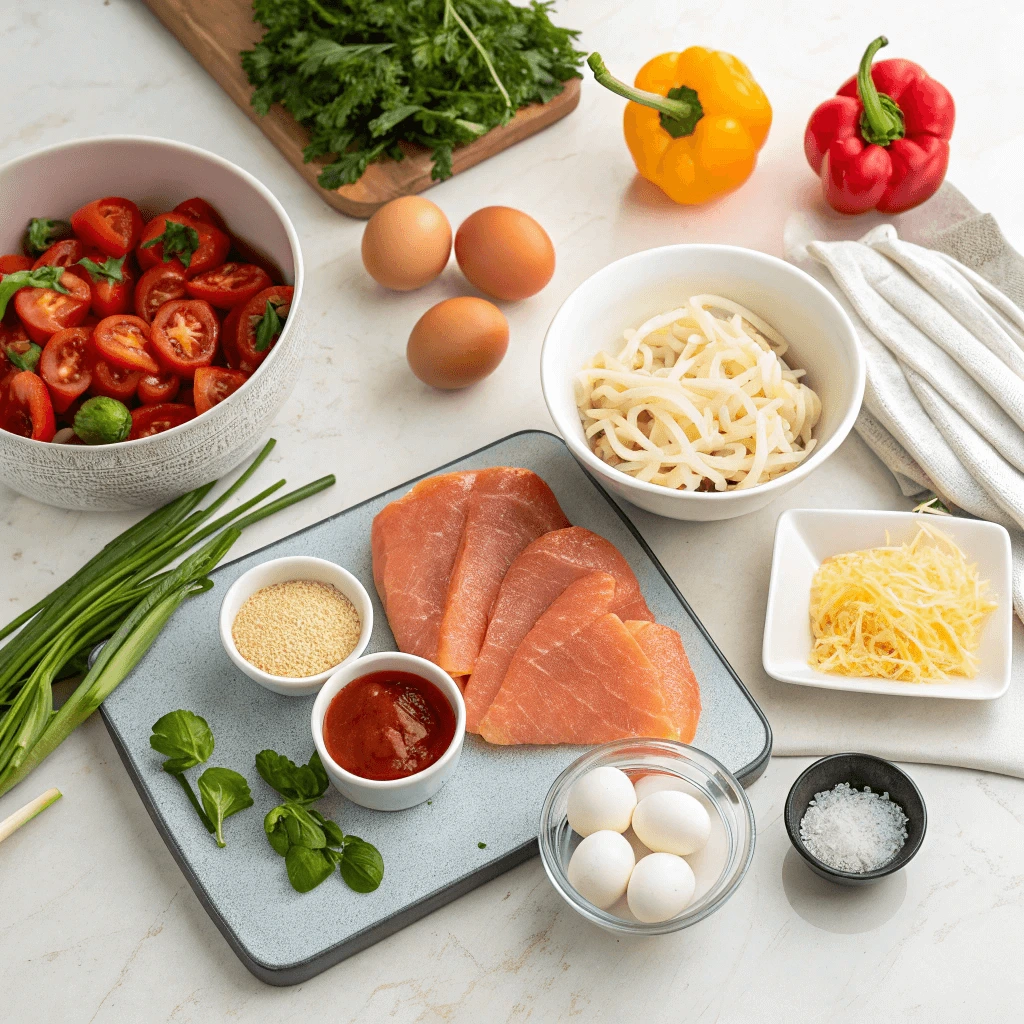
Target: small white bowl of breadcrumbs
292,622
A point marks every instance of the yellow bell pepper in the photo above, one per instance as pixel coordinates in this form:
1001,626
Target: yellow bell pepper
695,121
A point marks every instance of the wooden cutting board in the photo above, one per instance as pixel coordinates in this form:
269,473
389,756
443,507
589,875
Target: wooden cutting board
216,31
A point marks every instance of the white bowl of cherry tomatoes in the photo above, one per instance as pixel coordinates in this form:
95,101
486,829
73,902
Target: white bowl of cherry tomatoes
150,326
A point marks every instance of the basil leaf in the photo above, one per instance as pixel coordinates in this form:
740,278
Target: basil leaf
362,866
224,792
26,360
268,328
332,830
292,825
109,270
307,868
41,277
184,737
180,240
300,783
42,232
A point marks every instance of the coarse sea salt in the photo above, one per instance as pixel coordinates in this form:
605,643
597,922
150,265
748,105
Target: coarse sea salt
853,830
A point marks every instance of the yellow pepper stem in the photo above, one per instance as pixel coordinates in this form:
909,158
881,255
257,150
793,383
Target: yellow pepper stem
680,110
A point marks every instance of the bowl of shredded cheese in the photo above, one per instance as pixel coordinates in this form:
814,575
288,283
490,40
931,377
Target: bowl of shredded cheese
890,602
290,623
701,381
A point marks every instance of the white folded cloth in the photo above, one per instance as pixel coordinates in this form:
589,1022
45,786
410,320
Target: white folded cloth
944,402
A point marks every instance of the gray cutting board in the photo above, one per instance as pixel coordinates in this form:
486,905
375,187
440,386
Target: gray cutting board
431,852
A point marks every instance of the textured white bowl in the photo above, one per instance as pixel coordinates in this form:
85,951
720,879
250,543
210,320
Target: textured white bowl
157,174
281,570
626,293
391,794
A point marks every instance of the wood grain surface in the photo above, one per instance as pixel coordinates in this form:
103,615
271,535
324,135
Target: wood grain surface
216,31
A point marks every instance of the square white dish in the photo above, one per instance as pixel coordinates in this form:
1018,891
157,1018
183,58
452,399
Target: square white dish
804,538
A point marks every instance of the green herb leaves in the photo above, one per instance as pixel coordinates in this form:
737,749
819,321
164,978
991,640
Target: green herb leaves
187,741
365,75
180,240
42,232
184,738
23,356
224,792
312,845
109,270
268,328
41,277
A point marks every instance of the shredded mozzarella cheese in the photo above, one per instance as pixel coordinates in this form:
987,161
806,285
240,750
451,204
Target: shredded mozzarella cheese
911,613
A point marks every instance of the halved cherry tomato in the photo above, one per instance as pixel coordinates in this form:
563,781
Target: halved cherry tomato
185,335
211,252
112,297
13,262
61,254
114,381
159,284
25,407
155,388
124,340
155,419
64,365
213,384
112,224
229,338
280,297
10,334
229,285
45,311
200,210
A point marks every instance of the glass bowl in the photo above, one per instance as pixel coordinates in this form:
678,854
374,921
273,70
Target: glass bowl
719,868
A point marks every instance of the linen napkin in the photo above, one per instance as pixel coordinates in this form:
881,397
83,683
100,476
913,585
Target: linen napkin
928,294
944,402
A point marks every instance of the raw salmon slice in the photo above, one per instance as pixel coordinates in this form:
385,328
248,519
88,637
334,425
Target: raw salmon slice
414,541
577,678
664,649
508,508
538,576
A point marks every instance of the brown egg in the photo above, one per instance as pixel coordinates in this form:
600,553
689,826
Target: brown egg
505,252
457,342
407,243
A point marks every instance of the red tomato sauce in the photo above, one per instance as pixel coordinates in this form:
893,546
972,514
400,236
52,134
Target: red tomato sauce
388,725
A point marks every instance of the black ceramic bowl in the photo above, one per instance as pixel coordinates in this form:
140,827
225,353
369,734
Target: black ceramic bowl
859,770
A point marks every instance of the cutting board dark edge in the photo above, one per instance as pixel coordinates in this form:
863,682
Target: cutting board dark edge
294,974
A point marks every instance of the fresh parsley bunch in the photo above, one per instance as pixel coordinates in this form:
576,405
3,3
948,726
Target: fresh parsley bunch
366,75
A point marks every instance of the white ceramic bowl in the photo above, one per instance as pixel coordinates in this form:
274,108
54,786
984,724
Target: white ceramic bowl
281,570
157,174
391,794
804,538
626,293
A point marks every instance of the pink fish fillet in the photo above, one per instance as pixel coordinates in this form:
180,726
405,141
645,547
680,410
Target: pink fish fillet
534,580
414,541
508,508
579,677
664,648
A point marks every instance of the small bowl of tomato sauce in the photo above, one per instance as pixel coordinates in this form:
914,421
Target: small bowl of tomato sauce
389,729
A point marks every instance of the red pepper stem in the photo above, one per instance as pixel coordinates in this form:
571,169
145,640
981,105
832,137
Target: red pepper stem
882,120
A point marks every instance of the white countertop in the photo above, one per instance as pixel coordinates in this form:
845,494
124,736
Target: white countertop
97,924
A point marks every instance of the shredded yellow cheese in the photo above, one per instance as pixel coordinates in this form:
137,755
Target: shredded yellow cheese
911,613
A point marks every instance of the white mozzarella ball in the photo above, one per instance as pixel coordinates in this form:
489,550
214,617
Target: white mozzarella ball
600,867
660,886
672,822
604,798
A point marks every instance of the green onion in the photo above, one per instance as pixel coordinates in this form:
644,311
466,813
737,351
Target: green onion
122,598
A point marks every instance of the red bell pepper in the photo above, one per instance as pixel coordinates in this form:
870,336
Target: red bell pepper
882,142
